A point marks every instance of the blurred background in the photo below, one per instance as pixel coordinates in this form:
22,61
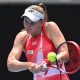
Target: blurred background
66,13
44,1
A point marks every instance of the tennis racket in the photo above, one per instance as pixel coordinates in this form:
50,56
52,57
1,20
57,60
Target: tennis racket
73,64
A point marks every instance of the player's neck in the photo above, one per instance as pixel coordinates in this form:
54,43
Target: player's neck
36,35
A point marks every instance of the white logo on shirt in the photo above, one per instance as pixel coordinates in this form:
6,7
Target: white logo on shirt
34,43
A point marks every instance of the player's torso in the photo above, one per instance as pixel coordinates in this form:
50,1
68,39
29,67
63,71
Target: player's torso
36,50
39,44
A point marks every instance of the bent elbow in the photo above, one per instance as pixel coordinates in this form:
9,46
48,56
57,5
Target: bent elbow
10,66
66,57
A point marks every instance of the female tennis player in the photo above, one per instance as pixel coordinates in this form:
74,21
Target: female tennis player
38,39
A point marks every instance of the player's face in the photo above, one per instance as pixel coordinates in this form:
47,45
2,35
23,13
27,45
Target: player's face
32,27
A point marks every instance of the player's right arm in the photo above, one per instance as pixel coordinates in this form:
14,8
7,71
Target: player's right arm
13,63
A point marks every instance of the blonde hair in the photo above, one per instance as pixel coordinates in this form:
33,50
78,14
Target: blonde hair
41,8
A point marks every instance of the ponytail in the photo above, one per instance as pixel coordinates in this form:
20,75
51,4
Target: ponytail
45,11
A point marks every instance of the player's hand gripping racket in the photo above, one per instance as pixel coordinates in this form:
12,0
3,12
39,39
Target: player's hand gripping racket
73,64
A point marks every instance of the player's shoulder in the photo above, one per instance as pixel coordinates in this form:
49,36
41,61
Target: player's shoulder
22,35
51,25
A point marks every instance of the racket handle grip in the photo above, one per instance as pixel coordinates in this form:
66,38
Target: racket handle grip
47,64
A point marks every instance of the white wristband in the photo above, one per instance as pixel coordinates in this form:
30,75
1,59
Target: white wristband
45,65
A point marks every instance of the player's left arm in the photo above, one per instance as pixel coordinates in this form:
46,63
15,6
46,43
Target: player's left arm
58,38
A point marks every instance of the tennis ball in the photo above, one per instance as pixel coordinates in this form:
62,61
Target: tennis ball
51,56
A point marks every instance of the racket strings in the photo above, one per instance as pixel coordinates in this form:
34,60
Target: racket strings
73,63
